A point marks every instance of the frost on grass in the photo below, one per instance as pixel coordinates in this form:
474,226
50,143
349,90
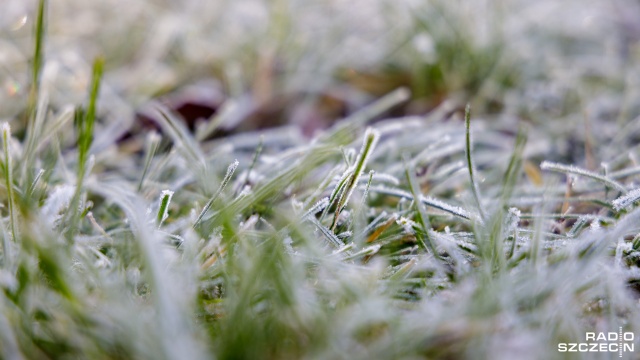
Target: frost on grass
237,271
227,177
163,209
371,137
626,201
58,200
570,169
427,200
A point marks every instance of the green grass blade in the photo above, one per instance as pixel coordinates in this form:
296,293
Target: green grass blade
163,209
86,135
152,143
497,232
513,169
8,180
254,161
38,57
370,140
227,177
84,122
33,108
328,233
423,237
339,189
470,168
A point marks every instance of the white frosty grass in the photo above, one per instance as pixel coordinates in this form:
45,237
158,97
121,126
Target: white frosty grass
429,201
302,256
58,200
626,200
570,169
319,206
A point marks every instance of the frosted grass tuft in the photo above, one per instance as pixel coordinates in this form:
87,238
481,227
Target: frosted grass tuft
58,200
626,201
371,137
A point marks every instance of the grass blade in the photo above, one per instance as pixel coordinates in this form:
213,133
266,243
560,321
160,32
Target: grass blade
84,123
423,237
163,209
337,191
319,206
227,177
427,200
181,137
38,58
570,169
370,140
32,105
627,200
8,180
498,230
474,186
254,161
152,143
328,233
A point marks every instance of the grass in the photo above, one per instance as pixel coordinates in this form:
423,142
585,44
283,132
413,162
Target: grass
468,144
7,167
403,227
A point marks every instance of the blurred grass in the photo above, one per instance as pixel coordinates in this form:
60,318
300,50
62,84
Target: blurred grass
128,234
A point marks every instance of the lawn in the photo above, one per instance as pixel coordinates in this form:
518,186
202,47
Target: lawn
319,179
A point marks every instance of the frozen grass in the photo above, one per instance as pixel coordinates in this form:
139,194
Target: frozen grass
409,229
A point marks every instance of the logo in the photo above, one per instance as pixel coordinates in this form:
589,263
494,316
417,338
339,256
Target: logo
611,342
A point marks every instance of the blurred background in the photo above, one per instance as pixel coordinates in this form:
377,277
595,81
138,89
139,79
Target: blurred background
309,63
